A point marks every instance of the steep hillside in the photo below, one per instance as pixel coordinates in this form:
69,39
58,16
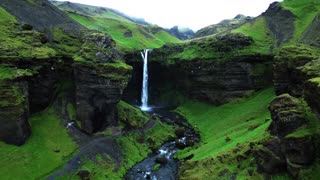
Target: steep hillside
223,26
128,34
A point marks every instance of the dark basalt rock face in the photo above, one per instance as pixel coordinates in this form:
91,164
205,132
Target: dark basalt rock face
14,112
312,35
280,22
294,69
211,81
286,151
287,115
99,83
96,98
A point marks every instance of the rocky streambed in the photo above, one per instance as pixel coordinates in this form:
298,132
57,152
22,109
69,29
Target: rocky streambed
161,164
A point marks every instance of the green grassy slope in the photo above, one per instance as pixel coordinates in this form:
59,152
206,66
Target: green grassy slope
19,43
265,42
142,36
305,11
128,34
48,148
226,132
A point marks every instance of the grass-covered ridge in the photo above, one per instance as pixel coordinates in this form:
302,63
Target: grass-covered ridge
305,11
226,133
48,148
129,33
15,42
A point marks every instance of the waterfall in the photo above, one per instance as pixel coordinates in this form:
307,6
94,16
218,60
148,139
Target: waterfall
144,93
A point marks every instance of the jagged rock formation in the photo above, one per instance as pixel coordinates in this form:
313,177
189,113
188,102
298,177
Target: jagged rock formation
296,71
223,26
289,149
181,33
99,84
280,22
14,111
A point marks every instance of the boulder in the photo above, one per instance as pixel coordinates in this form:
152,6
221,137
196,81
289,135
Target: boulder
161,160
287,115
180,132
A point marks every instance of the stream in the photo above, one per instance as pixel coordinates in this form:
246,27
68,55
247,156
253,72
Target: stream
166,165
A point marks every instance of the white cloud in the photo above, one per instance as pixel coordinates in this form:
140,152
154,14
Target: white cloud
194,14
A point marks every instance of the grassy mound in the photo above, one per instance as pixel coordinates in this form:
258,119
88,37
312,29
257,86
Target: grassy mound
226,134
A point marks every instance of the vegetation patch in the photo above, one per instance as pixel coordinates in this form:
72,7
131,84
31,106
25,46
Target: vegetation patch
141,38
132,117
48,148
305,11
225,136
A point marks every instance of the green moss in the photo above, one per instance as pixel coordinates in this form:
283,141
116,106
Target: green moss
48,148
6,72
135,146
131,116
156,167
225,135
15,43
261,34
305,11
71,111
311,127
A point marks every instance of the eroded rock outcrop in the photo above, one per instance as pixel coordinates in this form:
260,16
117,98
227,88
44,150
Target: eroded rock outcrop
99,82
14,106
296,71
292,145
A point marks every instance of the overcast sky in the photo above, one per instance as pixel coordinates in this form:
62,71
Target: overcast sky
194,14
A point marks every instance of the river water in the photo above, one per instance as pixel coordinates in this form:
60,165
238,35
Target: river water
166,165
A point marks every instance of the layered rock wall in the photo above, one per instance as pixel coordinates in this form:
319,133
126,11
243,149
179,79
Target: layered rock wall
14,112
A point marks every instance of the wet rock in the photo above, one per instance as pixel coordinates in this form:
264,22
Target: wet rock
299,151
287,114
161,160
180,132
128,34
270,158
27,27
84,175
180,144
190,142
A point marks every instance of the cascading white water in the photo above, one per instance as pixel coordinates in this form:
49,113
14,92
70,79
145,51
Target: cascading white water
144,95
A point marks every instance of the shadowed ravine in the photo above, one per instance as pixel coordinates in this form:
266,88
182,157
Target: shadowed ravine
161,164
